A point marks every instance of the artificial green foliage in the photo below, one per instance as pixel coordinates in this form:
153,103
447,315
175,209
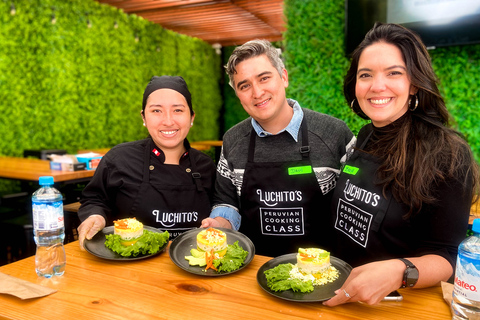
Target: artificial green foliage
315,58
78,83
316,62
233,110
458,69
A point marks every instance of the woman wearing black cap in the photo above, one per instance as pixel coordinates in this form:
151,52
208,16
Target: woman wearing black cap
159,180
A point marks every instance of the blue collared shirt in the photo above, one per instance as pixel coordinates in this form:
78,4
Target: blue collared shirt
293,127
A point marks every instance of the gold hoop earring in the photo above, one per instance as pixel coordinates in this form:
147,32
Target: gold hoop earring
410,102
351,105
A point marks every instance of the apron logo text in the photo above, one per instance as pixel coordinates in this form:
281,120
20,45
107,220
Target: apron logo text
352,192
282,221
353,221
169,219
272,198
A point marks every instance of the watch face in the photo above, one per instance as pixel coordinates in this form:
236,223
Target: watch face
412,276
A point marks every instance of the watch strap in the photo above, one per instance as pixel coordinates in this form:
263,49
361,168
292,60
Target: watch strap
406,281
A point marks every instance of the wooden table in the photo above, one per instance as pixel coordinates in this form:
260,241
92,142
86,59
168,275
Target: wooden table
31,169
210,143
155,288
205,145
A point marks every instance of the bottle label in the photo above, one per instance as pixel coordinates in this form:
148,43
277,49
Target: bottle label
467,278
47,216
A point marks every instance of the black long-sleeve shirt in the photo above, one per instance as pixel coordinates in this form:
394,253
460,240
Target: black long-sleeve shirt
114,187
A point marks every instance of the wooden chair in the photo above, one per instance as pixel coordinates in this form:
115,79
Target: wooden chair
71,221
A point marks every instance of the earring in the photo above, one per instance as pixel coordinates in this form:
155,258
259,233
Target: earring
416,103
351,104
144,124
191,124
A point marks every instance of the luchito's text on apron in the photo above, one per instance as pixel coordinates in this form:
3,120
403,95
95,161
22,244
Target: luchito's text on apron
278,220
170,219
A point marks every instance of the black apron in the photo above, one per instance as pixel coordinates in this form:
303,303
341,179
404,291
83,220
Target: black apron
281,202
359,209
175,208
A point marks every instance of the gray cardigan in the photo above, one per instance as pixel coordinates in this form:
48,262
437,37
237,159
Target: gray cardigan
329,138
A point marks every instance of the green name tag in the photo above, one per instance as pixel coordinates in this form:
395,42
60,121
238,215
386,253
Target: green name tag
299,170
350,170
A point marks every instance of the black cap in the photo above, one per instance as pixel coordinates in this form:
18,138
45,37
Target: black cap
176,83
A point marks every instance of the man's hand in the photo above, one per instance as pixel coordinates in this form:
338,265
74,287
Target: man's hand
217,222
90,227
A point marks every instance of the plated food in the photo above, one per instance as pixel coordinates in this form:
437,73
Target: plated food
212,252
129,230
309,275
96,246
313,268
212,239
130,239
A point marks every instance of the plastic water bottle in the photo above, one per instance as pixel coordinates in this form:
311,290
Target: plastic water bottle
48,229
466,291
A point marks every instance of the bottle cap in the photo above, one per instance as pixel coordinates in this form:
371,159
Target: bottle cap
45,181
476,225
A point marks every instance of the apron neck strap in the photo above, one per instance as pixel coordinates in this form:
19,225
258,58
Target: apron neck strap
304,149
195,174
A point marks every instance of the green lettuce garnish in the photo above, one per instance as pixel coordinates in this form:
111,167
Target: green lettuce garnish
296,285
278,280
232,260
149,243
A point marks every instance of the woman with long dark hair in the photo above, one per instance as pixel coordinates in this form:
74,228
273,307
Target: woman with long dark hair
402,202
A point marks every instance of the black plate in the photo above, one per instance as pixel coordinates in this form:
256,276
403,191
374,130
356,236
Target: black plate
181,246
96,246
320,293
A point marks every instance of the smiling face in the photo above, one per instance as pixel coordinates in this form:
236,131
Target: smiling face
167,118
383,87
261,91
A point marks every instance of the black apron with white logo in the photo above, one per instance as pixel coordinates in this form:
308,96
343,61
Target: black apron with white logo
281,203
358,209
171,207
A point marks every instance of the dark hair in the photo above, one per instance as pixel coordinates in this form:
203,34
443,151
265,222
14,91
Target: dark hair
424,150
251,49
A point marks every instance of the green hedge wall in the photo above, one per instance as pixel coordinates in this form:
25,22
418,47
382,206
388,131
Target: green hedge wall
233,109
78,83
315,59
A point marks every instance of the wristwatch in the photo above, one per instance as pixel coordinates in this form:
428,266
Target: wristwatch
410,277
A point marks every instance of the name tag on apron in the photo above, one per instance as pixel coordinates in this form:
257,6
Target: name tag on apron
299,170
350,170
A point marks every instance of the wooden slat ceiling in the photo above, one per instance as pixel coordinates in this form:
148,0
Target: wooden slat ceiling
226,22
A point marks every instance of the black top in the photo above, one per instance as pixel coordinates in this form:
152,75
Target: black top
116,185
371,227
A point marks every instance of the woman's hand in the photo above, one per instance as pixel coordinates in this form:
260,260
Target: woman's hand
217,222
90,227
370,283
